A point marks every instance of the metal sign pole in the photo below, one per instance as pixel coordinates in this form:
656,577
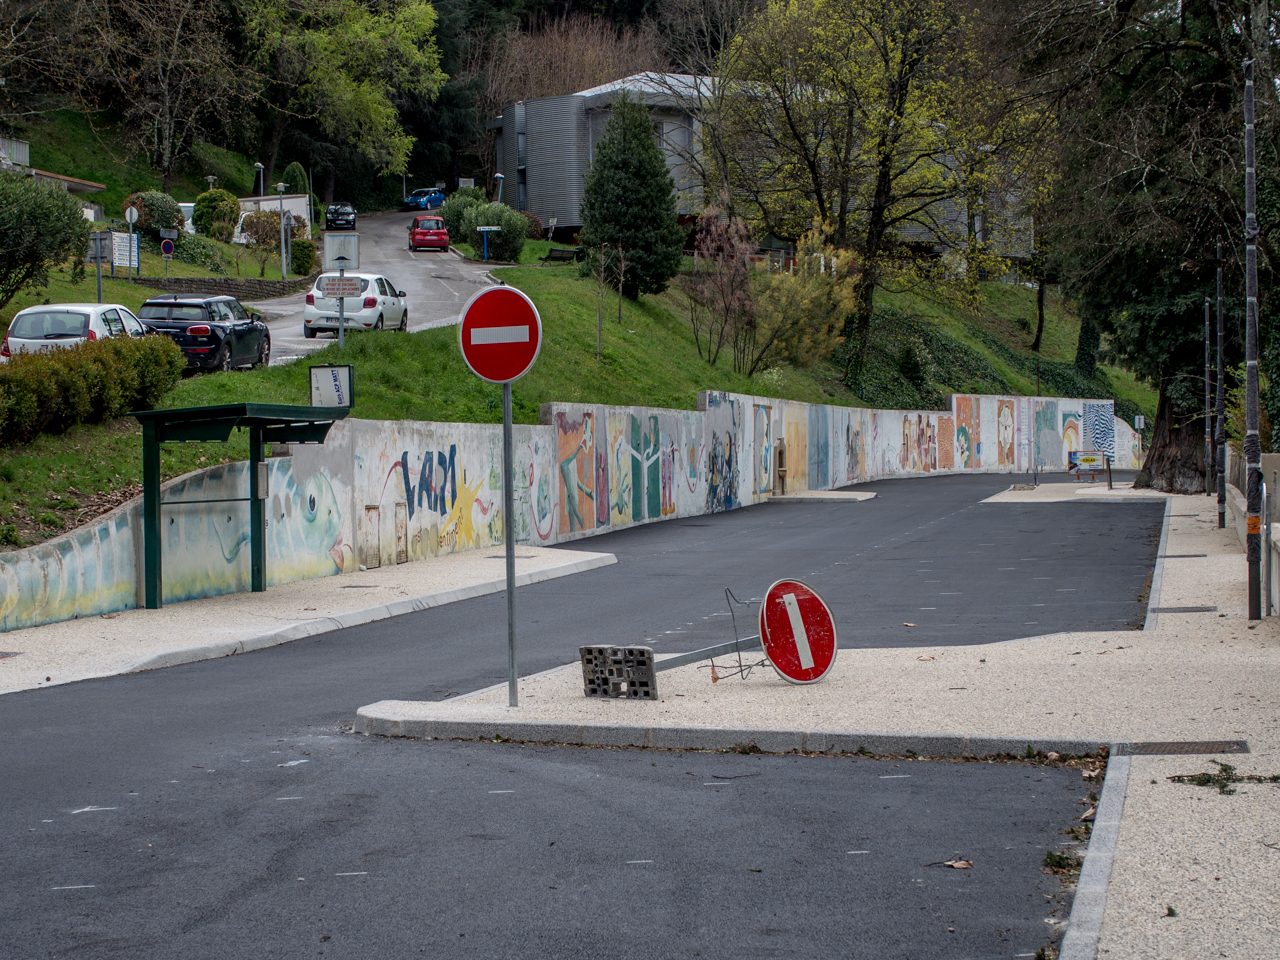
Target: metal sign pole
1208,409
342,313
1252,441
509,536
97,256
1220,407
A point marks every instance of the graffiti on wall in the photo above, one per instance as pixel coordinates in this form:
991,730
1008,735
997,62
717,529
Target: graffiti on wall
968,436
577,459
763,459
1070,433
1048,440
1005,455
819,444
1100,428
946,442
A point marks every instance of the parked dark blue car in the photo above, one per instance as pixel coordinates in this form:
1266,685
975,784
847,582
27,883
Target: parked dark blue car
424,198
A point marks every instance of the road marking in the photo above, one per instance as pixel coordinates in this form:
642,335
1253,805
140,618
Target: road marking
639,861
502,791
93,809
1006,568
291,763
356,873
859,851
895,776
797,630
78,886
954,593
928,608
288,798
482,335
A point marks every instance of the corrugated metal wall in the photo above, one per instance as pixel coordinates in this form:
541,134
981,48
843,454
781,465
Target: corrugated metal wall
513,121
557,157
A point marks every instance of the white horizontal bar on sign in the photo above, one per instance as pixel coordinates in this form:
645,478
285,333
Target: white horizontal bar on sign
481,335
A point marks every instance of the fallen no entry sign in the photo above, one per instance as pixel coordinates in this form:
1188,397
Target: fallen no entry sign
500,334
797,631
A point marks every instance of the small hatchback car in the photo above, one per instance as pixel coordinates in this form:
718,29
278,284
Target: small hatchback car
428,233
340,216
213,333
426,198
380,306
54,325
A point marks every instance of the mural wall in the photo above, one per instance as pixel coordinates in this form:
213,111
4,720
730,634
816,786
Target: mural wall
378,493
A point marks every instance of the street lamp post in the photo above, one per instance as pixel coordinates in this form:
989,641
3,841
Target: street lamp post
262,189
211,180
501,179
280,188
1252,441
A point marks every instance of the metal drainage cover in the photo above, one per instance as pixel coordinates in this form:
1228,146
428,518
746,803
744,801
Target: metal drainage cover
1181,747
1185,610
12,653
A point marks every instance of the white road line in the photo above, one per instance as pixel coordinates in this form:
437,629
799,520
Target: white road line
895,776
291,763
354,873
93,809
78,886
859,851
502,791
639,861
288,798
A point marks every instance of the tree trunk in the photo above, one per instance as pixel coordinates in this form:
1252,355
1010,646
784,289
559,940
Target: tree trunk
1035,344
1175,462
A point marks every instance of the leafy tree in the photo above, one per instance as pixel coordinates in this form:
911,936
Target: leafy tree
41,226
156,211
215,206
344,67
629,201
262,235
296,178
873,116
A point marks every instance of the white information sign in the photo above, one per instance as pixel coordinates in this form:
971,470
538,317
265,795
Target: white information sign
331,386
339,286
341,250
121,254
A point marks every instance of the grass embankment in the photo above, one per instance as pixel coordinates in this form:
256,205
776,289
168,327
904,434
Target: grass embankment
648,359
530,253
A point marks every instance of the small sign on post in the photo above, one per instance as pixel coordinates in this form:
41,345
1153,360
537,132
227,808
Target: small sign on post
500,335
1086,463
485,231
331,386
339,286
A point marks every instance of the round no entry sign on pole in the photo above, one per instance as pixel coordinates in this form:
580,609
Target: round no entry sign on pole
500,334
797,631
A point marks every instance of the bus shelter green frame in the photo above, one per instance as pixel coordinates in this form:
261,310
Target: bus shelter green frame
266,423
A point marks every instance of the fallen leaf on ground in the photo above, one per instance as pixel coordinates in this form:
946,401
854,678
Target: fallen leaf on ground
308,608
908,624
1101,652
1090,813
715,677
924,658
959,864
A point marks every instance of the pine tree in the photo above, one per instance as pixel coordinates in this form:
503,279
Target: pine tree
629,200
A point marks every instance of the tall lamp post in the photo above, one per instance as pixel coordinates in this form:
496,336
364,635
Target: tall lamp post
1220,407
211,180
500,178
1252,442
280,188
262,189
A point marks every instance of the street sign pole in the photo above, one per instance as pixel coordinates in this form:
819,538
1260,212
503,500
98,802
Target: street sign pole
97,256
342,313
131,217
509,537
500,336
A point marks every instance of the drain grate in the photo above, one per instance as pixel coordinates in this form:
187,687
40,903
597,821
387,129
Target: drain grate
1158,748
1185,610
12,653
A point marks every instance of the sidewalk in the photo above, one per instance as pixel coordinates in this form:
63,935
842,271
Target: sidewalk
237,623
1191,676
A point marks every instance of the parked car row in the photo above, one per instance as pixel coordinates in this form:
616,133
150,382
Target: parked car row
213,333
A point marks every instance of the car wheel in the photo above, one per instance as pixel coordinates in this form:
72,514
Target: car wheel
404,322
223,361
264,352
308,332
378,325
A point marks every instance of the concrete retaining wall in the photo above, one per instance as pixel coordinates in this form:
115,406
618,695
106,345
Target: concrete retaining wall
384,492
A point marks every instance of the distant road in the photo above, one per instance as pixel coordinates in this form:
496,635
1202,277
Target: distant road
437,285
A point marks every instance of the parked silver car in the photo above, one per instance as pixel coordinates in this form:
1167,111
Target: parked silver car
54,325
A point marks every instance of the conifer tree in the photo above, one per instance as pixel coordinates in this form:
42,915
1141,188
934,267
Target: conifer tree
629,200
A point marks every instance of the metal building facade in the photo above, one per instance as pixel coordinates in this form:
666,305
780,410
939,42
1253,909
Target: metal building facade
557,157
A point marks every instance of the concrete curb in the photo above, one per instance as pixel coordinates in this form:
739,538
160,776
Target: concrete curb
1157,575
354,618
380,719
1090,902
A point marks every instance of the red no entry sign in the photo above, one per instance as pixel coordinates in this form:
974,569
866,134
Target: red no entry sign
797,631
500,334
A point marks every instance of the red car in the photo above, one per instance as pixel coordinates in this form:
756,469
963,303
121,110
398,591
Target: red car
428,232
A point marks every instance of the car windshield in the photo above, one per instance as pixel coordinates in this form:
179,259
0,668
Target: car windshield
430,224
49,325
159,311
340,208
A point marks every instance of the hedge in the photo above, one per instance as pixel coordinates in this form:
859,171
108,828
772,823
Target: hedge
87,383
504,244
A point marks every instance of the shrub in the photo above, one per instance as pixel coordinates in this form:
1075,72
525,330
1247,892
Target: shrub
476,193
88,383
535,225
156,211
215,206
505,244
222,231
188,248
40,227
304,256
453,209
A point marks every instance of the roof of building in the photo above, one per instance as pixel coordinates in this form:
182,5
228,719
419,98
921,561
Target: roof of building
651,88
73,184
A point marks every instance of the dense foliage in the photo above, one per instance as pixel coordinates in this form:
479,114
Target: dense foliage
40,227
156,211
89,383
215,206
504,244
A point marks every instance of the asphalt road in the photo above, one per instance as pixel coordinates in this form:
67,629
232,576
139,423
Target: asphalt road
437,285
185,759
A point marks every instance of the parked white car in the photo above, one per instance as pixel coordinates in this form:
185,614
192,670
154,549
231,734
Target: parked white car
380,306
54,325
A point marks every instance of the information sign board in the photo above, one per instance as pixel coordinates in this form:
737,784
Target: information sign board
124,253
331,386
339,286
342,250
